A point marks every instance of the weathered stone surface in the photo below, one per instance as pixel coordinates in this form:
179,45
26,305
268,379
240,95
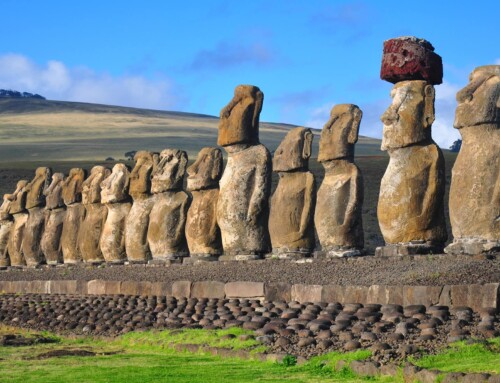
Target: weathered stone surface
339,202
17,209
136,229
166,231
51,238
135,288
277,291
385,294
244,289
72,196
291,225
69,236
55,210
410,206
35,196
474,196
62,287
181,289
410,58
207,289
90,232
112,241
421,295
136,240
202,231
114,193
100,287
242,207
239,120
6,223
72,186
96,213
35,202
161,289
306,293
91,187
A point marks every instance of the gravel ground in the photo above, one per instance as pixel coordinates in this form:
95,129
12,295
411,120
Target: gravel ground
436,270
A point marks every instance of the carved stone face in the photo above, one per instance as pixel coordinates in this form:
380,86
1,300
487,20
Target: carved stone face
5,207
53,193
140,177
206,172
294,151
114,188
91,187
72,186
18,204
409,118
479,101
36,187
239,120
340,133
170,171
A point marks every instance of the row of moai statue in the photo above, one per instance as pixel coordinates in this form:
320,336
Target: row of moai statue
146,216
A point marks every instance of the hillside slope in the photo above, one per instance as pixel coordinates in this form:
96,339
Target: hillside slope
38,130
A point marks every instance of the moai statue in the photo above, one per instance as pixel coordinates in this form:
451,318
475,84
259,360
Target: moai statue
291,214
411,207
35,203
242,207
338,218
18,210
475,183
114,194
202,231
95,215
167,221
55,211
6,223
72,197
136,232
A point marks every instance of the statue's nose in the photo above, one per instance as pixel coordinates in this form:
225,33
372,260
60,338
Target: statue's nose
389,116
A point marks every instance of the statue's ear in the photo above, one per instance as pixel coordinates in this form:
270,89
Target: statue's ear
429,95
217,164
307,148
352,138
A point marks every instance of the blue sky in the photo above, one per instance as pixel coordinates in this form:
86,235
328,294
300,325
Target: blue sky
188,56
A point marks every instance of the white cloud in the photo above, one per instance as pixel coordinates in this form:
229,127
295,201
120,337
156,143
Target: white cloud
54,80
319,116
497,62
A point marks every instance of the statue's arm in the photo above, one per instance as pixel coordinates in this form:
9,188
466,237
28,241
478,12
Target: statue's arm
309,203
260,191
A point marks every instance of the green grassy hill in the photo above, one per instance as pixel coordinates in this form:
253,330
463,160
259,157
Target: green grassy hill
43,130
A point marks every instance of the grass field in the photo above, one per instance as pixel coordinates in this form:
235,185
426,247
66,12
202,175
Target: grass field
32,129
151,357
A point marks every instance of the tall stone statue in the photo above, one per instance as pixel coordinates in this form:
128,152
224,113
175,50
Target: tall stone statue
55,211
114,194
72,196
411,207
338,218
18,210
475,183
242,207
95,215
6,223
35,203
291,214
202,231
136,236
167,221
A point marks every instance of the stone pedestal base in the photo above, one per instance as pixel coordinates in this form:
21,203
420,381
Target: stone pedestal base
338,252
194,259
286,253
408,248
165,261
240,257
472,246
